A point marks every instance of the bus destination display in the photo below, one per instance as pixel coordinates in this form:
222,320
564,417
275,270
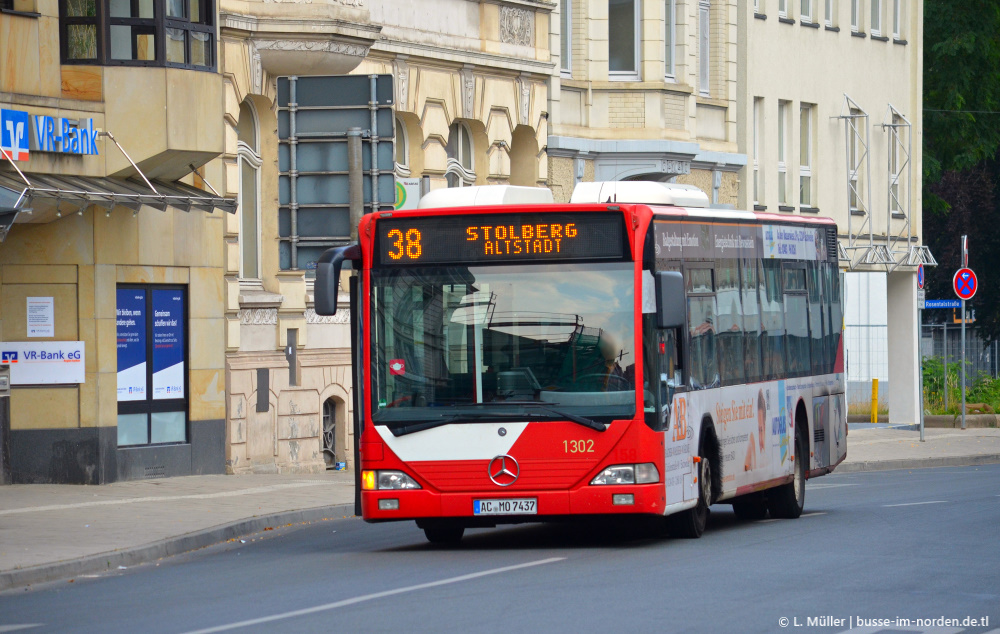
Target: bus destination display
500,238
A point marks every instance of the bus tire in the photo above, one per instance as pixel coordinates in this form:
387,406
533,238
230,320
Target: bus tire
690,524
750,507
444,534
788,500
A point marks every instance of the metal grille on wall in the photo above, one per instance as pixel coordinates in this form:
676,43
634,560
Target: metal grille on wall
314,117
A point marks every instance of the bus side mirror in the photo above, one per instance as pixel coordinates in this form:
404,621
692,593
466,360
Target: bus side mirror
328,269
670,304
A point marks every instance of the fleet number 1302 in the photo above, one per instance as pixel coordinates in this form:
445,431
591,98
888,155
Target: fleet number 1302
578,446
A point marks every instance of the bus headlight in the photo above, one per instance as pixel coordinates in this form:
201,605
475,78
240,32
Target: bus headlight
396,480
645,473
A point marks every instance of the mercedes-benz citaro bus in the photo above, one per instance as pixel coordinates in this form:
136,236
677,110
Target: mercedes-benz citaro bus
631,353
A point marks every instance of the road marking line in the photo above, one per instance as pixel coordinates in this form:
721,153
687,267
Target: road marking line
917,503
371,597
816,487
18,627
813,514
167,498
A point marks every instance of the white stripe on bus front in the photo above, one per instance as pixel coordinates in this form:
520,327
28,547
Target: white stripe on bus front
468,441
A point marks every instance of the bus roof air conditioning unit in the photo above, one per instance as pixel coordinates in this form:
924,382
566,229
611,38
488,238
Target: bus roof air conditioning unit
486,195
640,192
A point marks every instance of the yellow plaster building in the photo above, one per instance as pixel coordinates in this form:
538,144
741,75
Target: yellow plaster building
105,107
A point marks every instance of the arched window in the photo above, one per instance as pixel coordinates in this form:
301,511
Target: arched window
402,141
461,170
248,155
330,432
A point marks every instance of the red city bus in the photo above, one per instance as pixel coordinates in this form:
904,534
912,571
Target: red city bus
630,353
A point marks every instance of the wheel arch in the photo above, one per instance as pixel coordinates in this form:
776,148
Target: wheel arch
713,449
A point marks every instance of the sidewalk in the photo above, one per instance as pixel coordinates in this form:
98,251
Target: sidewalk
50,532
54,531
882,449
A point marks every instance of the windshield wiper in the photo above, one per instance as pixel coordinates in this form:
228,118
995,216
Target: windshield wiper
576,418
402,430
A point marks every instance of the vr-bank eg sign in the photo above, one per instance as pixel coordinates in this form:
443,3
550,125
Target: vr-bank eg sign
46,363
22,133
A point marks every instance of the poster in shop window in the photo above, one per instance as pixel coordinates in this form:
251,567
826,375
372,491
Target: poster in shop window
168,344
131,337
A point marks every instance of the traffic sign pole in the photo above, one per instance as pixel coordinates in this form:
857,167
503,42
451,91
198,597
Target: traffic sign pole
963,364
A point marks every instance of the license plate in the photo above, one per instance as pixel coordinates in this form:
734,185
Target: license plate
520,506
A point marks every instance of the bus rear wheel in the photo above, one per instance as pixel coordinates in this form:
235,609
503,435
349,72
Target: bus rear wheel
444,534
788,500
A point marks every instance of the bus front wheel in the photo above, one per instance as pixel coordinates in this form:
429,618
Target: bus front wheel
691,523
444,534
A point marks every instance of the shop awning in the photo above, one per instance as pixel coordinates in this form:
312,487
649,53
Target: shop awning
40,198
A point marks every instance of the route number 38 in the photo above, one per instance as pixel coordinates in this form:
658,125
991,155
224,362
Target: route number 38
408,244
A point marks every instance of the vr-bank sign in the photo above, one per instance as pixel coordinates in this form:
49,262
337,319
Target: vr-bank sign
48,363
22,133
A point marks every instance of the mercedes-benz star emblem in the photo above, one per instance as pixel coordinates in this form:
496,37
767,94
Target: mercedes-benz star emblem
503,470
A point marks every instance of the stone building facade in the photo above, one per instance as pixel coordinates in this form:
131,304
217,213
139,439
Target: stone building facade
471,88
645,90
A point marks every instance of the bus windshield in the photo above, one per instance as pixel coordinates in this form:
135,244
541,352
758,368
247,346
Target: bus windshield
466,343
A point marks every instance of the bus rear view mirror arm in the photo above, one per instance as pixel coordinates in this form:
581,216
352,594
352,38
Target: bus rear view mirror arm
670,304
328,269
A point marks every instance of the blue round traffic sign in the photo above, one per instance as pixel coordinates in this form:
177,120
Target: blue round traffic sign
965,283
920,276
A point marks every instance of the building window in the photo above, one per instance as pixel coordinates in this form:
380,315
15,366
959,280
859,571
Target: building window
461,168
669,36
896,167
704,47
330,407
857,154
856,16
782,8
782,140
566,36
248,155
805,11
897,19
828,12
623,38
876,25
177,33
805,156
152,365
757,127
402,150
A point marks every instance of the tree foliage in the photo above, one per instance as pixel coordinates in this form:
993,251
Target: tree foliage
961,84
961,128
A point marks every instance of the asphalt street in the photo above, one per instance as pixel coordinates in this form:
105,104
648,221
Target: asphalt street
890,545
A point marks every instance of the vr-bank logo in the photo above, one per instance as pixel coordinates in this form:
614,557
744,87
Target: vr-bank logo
14,134
8,356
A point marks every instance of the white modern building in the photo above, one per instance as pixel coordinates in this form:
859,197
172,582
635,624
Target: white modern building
829,116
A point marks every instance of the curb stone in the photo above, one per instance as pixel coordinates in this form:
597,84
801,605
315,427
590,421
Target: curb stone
918,463
103,562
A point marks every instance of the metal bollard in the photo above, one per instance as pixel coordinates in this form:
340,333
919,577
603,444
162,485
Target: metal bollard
874,401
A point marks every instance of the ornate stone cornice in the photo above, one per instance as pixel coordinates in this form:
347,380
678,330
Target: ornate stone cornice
342,317
311,46
259,316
